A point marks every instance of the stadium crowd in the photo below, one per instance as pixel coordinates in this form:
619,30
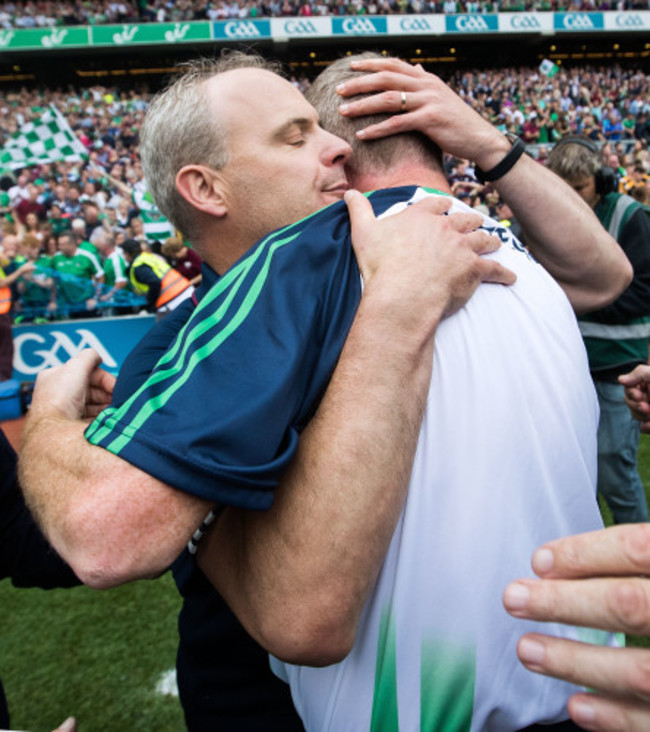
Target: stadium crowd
69,219
50,13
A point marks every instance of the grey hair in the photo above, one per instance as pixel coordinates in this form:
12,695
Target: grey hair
178,130
375,155
573,159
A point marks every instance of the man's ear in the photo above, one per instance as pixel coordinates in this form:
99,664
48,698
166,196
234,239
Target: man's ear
202,188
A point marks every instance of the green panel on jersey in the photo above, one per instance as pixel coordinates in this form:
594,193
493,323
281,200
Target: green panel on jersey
384,702
447,678
598,637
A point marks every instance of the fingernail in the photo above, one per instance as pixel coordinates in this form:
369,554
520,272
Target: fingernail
67,725
516,596
339,88
361,134
583,712
531,651
343,108
543,561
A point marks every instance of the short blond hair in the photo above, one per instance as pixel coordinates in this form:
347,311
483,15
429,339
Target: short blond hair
172,246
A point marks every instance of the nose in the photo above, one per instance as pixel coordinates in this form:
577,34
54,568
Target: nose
337,151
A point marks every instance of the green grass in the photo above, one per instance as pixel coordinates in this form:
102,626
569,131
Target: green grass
99,655
94,655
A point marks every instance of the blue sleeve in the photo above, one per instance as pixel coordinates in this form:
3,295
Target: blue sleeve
141,361
219,415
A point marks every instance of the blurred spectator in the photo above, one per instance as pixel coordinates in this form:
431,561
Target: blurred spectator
73,275
6,338
183,259
36,288
116,282
635,178
151,276
29,204
507,218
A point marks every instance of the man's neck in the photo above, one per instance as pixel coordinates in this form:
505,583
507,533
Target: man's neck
404,176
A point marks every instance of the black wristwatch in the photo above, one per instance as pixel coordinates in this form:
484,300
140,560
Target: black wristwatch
516,151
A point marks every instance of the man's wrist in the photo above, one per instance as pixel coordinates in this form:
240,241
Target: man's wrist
495,170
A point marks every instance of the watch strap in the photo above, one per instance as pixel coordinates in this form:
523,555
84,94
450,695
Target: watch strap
516,151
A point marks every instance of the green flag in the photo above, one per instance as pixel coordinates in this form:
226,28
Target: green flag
156,226
42,141
548,68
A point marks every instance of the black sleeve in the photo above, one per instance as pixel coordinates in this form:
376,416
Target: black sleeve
635,301
25,555
146,275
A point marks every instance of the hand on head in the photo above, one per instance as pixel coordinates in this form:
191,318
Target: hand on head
420,101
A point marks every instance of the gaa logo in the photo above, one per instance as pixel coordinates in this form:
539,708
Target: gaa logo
578,20
415,24
358,25
299,27
627,20
525,22
237,29
58,347
471,23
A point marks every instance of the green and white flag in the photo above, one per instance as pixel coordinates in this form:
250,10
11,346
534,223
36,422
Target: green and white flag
548,68
156,226
43,141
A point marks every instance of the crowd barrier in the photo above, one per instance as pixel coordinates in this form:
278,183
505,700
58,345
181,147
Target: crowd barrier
38,346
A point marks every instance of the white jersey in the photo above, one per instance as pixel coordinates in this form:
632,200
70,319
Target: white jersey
506,461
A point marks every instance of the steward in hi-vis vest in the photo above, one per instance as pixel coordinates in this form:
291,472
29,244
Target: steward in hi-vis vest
152,276
616,336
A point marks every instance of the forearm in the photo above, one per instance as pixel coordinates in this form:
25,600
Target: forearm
565,236
54,470
298,576
110,521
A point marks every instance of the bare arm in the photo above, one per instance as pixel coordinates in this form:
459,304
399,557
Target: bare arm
22,270
597,580
298,576
561,230
111,522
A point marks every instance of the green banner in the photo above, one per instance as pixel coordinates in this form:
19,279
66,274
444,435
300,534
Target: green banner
150,33
39,38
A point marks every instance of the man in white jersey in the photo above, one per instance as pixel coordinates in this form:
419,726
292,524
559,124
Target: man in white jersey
513,467
155,516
